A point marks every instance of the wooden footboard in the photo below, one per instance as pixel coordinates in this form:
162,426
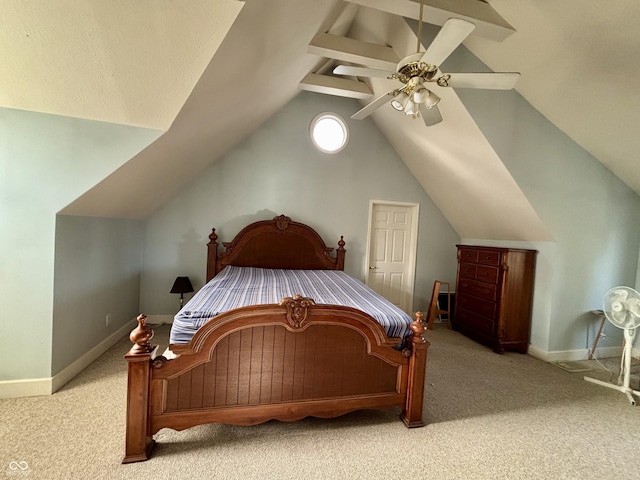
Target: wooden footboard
265,362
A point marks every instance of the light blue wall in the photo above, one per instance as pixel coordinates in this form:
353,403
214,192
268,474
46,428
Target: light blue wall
97,273
593,216
277,170
46,161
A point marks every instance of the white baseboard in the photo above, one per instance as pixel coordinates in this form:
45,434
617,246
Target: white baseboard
62,377
31,387
46,386
568,355
538,353
576,355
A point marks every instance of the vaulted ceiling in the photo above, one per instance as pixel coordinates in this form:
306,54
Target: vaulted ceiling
183,67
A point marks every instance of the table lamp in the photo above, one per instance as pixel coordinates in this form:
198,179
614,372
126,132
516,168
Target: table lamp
182,285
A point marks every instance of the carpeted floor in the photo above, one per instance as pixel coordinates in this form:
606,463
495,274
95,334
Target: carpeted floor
489,416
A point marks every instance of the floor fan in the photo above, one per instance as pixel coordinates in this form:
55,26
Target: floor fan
622,309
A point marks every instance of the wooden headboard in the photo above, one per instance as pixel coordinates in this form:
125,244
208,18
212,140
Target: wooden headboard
277,243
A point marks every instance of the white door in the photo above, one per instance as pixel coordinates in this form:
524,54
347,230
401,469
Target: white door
391,251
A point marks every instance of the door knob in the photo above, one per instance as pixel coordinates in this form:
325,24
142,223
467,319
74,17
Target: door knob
372,267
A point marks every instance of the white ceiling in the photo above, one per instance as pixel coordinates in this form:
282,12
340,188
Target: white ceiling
133,63
161,63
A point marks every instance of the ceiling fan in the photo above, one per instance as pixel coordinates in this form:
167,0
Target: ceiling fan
414,99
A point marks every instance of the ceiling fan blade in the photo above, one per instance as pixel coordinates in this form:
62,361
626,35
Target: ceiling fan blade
361,71
450,36
373,106
431,116
492,81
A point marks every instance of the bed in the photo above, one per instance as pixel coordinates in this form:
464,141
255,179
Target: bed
286,360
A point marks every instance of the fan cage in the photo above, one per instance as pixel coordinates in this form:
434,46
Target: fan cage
621,306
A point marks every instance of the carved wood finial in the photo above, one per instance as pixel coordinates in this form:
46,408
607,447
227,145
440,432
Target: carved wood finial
418,328
282,222
141,336
213,237
341,244
297,309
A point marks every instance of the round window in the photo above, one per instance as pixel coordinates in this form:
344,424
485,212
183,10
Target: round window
329,132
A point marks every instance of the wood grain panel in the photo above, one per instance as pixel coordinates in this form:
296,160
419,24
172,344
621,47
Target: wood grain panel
266,368
288,370
277,378
266,365
255,367
233,371
197,386
218,375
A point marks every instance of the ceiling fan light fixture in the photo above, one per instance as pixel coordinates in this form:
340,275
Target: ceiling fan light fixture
411,108
423,95
420,95
431,100
399,101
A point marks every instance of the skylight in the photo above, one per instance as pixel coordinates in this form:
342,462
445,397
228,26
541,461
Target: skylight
329,132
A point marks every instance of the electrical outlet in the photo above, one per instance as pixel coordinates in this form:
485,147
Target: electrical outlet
108,319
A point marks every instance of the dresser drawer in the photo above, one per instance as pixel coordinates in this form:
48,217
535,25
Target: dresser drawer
470,319
488,257
481,290
487,274
484,308
468,255
468,270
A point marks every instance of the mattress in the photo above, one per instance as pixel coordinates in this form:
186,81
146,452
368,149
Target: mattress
236,287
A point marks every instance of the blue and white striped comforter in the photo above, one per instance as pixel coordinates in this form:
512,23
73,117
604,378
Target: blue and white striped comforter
236,287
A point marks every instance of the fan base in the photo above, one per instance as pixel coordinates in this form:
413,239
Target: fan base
626,390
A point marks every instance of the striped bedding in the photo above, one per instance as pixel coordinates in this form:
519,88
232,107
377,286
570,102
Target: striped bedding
236,287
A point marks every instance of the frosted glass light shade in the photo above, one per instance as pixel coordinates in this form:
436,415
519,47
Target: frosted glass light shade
399,101
410,108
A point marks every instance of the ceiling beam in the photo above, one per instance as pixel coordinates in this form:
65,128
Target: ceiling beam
354,51
488,22
342,87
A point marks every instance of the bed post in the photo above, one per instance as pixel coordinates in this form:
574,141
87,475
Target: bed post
340,254
412,413
139,442
212,255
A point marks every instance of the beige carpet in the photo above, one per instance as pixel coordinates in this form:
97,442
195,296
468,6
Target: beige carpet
489,416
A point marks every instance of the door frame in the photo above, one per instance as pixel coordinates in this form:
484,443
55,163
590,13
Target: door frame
415,215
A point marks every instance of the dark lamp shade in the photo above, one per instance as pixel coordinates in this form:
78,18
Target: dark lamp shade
182,285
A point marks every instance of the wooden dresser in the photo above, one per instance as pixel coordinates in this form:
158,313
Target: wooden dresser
494,295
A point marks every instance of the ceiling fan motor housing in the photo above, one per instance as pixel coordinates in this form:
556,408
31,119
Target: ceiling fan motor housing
411,66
